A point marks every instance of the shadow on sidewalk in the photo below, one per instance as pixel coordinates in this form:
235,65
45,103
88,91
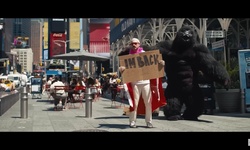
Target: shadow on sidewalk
199,120
112,117
113,107
45,100
117,126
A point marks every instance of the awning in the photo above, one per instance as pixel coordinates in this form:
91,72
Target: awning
82,55
53,72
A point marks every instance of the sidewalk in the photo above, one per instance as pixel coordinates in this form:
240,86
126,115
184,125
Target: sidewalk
42,118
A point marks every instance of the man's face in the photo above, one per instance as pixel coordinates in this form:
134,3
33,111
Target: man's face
135,45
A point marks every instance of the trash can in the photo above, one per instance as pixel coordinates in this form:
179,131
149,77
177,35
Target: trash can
209,100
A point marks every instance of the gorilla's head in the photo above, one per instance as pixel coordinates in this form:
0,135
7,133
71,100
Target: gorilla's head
185,37
186,34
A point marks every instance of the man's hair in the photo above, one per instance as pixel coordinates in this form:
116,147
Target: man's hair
56,78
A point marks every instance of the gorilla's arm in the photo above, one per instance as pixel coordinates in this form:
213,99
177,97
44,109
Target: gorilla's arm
125,51
210,66
163,46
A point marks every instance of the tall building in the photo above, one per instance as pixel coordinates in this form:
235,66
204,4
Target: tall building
36,40
8,35
22,28
25,59
1,38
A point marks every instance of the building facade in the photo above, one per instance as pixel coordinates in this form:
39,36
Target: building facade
152,30
22,28
36,40
8,35
25,59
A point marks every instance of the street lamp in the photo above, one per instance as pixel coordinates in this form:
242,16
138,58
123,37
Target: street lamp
59,43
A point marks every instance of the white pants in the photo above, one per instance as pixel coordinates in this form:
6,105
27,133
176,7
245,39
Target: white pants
145,91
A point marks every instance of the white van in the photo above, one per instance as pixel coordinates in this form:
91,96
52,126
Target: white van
16,78
3,77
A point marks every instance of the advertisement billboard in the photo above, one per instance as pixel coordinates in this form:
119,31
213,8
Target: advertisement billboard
99,38
57,44
74,35
244,72
21,42
45,35
45,54
57,25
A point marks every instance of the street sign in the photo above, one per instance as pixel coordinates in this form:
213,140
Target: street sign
215,34
218,44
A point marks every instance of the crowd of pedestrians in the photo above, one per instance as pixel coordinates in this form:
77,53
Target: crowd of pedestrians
75,86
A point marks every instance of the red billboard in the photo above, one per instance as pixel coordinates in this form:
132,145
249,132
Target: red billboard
99,38
57,44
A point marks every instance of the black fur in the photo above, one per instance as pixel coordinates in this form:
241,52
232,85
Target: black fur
184,58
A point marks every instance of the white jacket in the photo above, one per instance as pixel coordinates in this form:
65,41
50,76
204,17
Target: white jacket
57,83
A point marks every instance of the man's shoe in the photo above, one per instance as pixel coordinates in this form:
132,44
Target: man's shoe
132,125
149,125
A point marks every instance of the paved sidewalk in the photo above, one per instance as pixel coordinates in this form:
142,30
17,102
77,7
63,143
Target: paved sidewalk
42,118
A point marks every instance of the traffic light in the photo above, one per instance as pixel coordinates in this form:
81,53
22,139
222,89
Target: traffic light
41,64
103,69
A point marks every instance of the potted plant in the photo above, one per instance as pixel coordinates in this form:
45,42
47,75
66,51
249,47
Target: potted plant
229,99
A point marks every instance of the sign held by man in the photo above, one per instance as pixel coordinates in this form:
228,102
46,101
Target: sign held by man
142,66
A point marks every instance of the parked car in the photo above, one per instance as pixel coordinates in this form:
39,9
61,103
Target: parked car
3,78
15,78
10,83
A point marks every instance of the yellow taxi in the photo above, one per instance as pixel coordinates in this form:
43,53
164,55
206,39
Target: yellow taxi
9,83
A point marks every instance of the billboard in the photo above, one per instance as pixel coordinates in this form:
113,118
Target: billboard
45,54
74,35
21,42
99,38
45,35
244,72
57,44
57,25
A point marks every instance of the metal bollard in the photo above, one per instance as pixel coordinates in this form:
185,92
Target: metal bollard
24,103
27,88
243,101
88,102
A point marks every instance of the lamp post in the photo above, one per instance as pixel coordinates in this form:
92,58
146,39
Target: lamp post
57,42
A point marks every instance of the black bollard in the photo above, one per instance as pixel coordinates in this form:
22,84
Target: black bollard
243,101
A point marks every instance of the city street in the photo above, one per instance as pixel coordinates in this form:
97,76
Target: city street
220,127
42,117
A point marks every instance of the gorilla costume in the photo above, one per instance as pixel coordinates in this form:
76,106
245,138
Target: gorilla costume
184,58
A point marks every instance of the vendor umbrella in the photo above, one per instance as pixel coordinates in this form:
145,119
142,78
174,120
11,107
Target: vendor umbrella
81,55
